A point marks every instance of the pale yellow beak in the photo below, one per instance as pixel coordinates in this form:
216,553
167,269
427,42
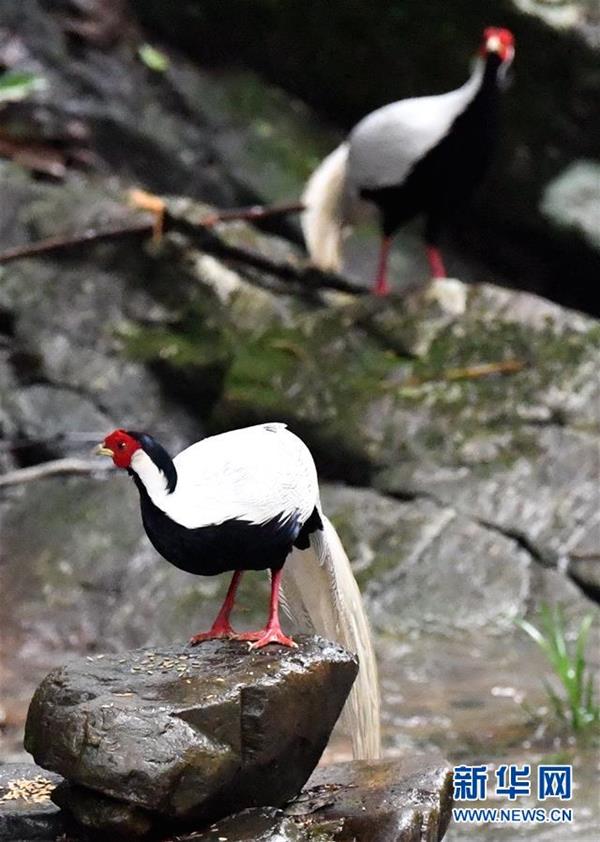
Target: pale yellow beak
101,450
493,44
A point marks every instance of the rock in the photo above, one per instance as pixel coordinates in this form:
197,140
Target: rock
26,811
136,122
190,732
49,414
101,813
572,200
585,571
385,801
259,826
405,800
425,566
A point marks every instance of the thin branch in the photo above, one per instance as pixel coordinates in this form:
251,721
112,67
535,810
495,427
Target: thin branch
474,372
54,244
251,213
49,441
306,275
57,467
199,231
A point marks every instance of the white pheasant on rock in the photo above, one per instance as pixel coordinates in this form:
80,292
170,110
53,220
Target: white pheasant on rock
249,500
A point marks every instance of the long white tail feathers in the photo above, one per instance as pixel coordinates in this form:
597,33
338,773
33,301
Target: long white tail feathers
323,219
321,593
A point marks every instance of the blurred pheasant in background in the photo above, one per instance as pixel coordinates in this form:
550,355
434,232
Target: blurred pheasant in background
423,155
249,500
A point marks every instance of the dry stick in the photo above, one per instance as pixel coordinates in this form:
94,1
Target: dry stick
251,213
198,231
473,372
307,276
53,244
54,468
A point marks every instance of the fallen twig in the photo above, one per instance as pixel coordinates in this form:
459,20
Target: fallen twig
38,157
54,468
51,441
198,231
252,213
304,274
91,235
473,372
54,244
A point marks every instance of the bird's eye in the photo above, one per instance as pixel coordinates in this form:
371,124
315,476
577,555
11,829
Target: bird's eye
122,445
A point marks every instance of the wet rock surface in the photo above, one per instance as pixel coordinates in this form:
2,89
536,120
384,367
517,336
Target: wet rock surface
386,801
381,801
394,800
26,810
188,732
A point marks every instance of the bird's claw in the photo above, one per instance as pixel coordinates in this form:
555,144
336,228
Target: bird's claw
216,633
256,640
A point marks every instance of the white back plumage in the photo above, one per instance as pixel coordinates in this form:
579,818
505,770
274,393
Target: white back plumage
321,592
254,474
386,144
265,472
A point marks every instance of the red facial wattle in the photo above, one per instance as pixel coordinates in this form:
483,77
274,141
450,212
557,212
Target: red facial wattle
121,447
499,41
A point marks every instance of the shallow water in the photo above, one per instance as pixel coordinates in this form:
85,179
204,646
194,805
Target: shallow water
471,698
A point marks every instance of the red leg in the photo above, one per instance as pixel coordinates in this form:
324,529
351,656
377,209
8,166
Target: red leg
438,270
272,631
221,628
381,285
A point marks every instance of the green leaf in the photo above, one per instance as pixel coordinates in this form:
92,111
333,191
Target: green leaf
16,86
557,703
582,637
577,707
153,58
533,632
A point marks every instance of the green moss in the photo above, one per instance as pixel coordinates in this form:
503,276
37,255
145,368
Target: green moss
316,373
459,410
190,356
180,350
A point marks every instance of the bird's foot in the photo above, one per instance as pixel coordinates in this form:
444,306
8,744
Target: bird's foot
265,636
381,290
220,631
450,294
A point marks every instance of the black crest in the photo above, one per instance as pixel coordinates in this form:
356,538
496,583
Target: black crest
159,456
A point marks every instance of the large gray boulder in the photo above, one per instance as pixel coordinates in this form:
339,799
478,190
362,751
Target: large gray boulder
186,732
